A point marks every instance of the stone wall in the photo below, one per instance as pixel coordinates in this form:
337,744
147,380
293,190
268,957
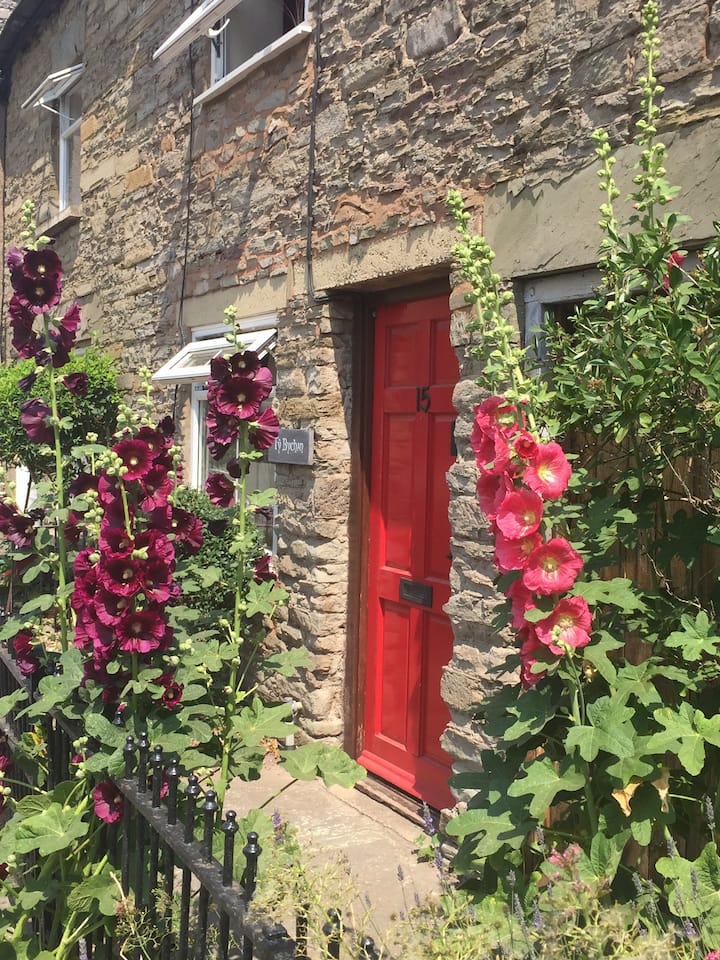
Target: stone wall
185,210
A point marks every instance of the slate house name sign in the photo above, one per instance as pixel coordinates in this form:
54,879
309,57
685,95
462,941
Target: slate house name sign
292,446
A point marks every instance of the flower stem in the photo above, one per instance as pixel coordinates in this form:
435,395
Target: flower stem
60,492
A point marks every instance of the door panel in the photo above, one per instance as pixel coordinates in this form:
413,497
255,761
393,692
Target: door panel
409,639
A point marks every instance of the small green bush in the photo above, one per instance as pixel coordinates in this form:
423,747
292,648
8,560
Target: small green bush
95,412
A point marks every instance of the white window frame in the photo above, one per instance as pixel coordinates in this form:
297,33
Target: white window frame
201,22
539,293
57,88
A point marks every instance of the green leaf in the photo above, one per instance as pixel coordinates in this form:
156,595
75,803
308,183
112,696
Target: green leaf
618,592
609,730
104,732
337,768
58,689
544,781
264,597
302,763
524,716
100,888
11,701
606,853
52,830
40,604
494,828
685,734
286,662
698,638
695,890
597,654
256,722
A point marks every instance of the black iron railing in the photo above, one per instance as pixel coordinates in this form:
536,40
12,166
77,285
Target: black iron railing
166,869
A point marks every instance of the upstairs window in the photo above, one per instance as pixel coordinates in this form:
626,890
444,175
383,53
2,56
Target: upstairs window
555,296
60,94
243,34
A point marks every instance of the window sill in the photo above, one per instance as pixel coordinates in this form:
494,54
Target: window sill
61,221
288,40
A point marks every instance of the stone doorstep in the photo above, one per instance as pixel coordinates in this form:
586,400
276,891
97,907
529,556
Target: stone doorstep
377,842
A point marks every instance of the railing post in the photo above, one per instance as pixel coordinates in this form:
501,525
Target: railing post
368,950
129,755
192,792
252,851
143,751
333,931
229,827
301,932
167,949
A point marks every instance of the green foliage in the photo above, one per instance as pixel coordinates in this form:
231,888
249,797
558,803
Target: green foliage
94,413
621,738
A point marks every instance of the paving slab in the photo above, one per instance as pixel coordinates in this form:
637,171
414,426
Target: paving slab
378,843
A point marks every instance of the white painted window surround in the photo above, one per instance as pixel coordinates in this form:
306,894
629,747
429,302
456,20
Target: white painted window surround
542,293
58,93
243,34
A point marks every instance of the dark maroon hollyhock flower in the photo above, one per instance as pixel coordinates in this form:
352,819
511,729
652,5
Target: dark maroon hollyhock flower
25,340
158,582
73,527
186,527
219,369
263,569
157,487
28,382
17,527
33,416
236,467
3,871
70,321
109,608
83,563
121,575
14,258
157,546
221,429
82,483
108,802
76,383
84,590
108,491
246,363
220,488
23,648
141,631
218,526
136,456
238,397
116,541
96,671
42,263
154,439
166,428
173,691
264,430
37,294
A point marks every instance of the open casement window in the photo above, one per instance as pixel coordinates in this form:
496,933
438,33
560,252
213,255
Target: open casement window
191,365
243,34
60,94
557,297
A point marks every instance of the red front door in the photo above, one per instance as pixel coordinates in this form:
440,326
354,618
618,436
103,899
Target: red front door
409,638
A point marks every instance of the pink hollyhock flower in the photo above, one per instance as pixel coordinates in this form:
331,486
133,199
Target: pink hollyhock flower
520,514
713,955
264,430
568,626
531,652
676,259
34,418
492,488
492,453
108,802
549,472
220,489
525,445
522,600
513,554
496,414
552,567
